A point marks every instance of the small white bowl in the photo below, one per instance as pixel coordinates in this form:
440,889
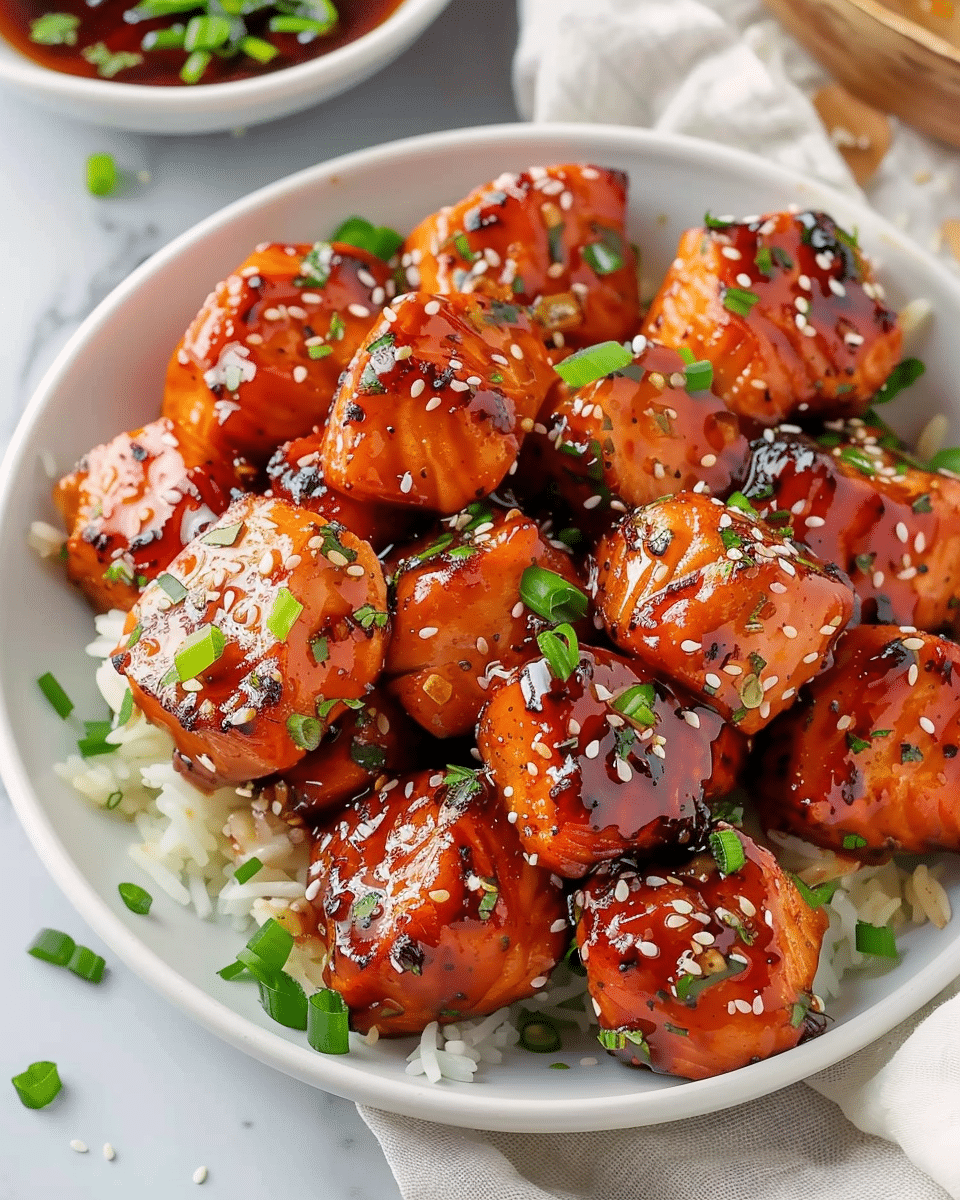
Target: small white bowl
206,108
110,377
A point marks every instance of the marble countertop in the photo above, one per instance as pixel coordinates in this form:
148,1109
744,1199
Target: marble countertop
164,1093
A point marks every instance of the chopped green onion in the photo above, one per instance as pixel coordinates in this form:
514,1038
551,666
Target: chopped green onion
602,258
38,1084
551,596
194,67
222,535
107,64
233,971
272,944
370,758
636,704
462,244
727,849
853,841
320,649
199,652
283,616
860,461
125,711
328,1023
561,650
113,800
136,898
102,177
462,783
55,29
946,460
378,240
284,1000
740,501
878,940
95,742
256,48
559,1066
172,586
299,25
60,702
699,375
816,897
52,946
857,745
739,301
616,1039
319,351
902,376
206,33
539,1035
712,222
305,732
164,39
88,965
247,870
593,363
148,10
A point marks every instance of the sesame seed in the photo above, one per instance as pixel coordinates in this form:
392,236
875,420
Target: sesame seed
800,320
622,891
913,643
902,532
704,938
590,1062
108,1152
458,385
789,694
358,310
517,610
836,287
406,483
742,1006
592,501
758,1005
927,725
199,1175
827,630
844,723
802,304
878,578
593,749
907,574
708,460
417,387
744,280
431,308
648,949
789,631
787,566
919,543
271,314
689,647
624,772
390,316
440,895
733,669
811,658
814,522
731,252
428,631
498,358
515,350
532,769
78,1146
809,331
714,681
691,718
764,710
675,921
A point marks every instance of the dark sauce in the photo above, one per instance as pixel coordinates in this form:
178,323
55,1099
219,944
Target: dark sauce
103,22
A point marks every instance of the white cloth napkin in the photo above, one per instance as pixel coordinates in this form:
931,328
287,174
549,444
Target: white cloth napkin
721,69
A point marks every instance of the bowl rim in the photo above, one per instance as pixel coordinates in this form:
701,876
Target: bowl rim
469,1107
353,59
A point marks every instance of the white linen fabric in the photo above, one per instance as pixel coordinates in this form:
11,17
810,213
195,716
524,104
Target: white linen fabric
722,69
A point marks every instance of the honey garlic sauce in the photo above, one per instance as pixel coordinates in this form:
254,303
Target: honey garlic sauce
711,972
241,717
585,783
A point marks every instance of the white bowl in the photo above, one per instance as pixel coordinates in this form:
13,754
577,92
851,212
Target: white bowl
109,377
206,108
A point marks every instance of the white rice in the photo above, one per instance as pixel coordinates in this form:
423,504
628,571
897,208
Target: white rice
190,845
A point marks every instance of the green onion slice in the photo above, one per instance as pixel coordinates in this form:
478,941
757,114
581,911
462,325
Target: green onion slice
284,1000
125,712
727,849
164,39
58,698
902,376
699,375
247,870
636,704
199,652
305,731
947,460
740,501
878,940
55,29
38,1084
552,596
272,944
206,33
561,650
283,616
853,841
136,898
593,363
602,258
232,971
539,1035
379,240
193,69
319,351
328,1023
739,301
95,742
52,946
88,965
816,897
222,535
172,586
256,48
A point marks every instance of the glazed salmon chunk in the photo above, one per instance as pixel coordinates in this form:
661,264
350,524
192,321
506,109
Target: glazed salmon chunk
428,909
550,237
259,363
650,429
695,970
435,404
460,623
866,763
609,760
860,501
724,604
253,639
786,308
131,505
